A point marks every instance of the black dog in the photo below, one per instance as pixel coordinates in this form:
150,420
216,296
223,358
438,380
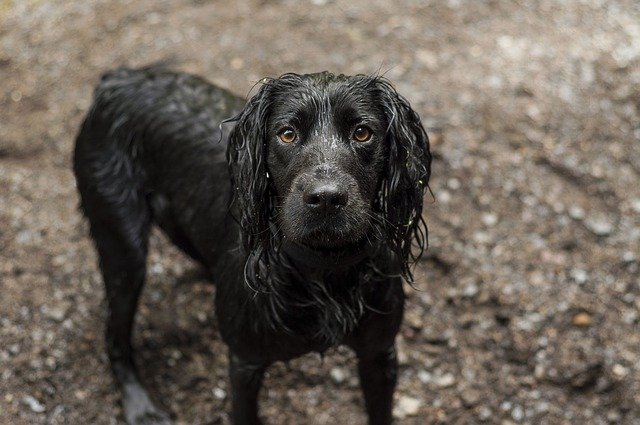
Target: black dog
309,243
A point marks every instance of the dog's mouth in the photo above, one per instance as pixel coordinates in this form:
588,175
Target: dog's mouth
333,247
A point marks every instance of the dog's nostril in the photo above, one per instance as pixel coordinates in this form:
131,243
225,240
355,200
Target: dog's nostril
325,196
338,199
312,198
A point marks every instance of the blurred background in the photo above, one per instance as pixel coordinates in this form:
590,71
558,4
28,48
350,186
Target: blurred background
527,305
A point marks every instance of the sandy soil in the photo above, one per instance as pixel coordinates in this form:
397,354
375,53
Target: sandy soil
527,307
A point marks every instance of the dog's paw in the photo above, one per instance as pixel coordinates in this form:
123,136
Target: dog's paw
140,410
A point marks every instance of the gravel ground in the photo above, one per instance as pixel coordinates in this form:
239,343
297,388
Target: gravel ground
527,306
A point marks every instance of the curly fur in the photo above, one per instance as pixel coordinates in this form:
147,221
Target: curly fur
293,275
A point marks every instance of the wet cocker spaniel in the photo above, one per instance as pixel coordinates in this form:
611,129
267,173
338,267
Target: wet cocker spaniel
308,216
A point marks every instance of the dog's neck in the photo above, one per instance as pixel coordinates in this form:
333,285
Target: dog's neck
327,259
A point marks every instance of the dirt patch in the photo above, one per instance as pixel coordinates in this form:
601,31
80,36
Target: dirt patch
527,306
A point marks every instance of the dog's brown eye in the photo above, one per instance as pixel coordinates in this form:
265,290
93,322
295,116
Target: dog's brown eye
362,134
287,135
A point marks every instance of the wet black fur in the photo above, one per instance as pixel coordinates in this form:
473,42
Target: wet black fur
151,150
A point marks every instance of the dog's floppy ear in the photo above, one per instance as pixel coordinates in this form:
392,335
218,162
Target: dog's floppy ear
406,177
246,156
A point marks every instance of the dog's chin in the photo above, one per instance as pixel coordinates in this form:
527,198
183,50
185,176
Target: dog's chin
330,239
325,233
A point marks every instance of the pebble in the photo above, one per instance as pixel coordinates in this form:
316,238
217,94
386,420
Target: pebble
629,257
470,397
599,227
485,413
453,183
58,314
614,416
517,413
619,370
582,320
445,380
470,290
579,276
407,406
414,319
338,375
33,404
635,205
443,196
424,376
489,219
219,393
576,212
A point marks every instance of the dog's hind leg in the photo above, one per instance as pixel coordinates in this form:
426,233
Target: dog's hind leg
120,220
123,268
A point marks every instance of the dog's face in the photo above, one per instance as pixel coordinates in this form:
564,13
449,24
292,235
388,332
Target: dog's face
328,161
325,157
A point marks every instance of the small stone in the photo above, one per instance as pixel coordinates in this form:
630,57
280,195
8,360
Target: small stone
542,407
444,196
517,413
619,370
445,380
579,276
613,416
539,372
485,413
219,393
56,313
453,183
16,95
401,353
424,376
582,320
436,138
635,205
407,406
489,219
33,404
576,213
506,405
338,375
599,227
470,397
470,290
414,319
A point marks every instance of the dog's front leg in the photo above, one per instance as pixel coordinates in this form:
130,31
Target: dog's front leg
246,380
378,375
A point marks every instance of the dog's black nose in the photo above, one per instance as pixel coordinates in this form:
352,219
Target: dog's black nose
325,196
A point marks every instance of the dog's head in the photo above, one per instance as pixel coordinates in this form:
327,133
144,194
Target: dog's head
330,161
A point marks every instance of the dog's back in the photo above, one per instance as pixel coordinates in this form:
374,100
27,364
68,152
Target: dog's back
150,144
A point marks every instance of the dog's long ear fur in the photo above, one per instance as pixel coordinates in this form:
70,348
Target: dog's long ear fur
246,156
406,178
